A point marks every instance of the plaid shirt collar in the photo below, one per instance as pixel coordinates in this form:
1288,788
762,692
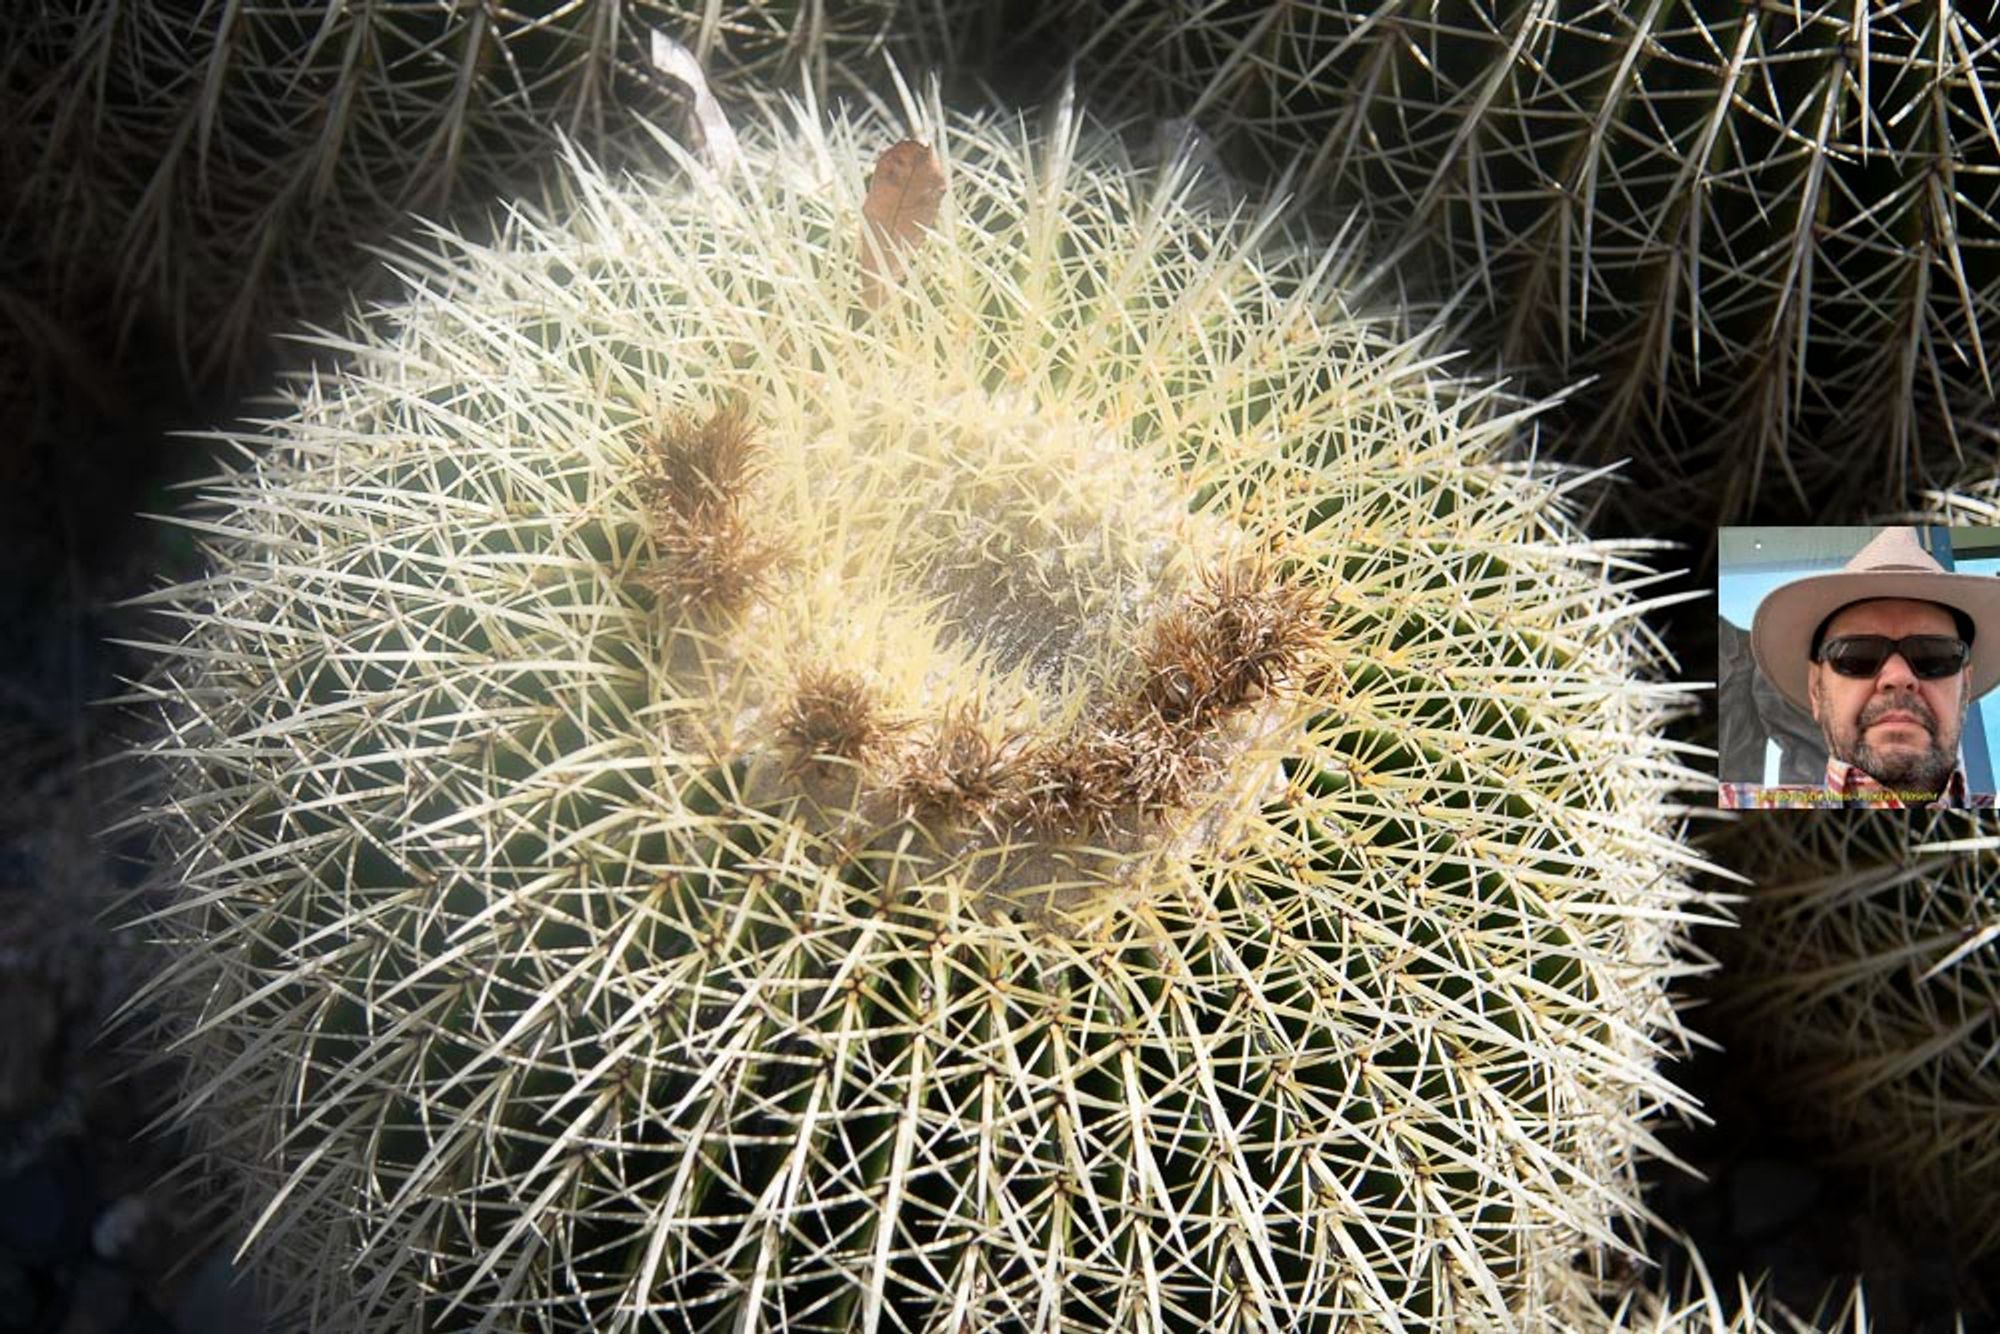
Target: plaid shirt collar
1856,788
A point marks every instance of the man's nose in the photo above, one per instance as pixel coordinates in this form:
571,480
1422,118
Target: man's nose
1896,674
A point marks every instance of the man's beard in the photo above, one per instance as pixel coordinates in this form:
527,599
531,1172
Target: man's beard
1905,770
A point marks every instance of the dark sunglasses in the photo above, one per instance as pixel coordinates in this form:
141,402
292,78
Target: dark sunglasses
1929,656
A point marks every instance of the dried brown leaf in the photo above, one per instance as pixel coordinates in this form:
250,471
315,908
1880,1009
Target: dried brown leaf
904,192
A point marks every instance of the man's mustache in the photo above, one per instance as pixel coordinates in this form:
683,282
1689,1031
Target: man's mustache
1913,706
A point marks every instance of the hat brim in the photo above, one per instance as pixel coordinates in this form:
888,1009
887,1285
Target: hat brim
1781,631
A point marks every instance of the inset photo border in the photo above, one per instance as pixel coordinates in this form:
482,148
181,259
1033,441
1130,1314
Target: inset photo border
1799,727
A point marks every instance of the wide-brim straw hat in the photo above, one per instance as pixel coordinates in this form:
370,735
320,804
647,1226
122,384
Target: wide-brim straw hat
1893,565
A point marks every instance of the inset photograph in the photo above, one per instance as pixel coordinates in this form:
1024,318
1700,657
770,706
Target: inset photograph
1856,667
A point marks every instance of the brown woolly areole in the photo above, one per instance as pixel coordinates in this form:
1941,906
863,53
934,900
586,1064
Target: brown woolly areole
997,646
696,475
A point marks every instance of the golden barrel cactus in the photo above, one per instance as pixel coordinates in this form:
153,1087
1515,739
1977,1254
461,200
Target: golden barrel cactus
971,753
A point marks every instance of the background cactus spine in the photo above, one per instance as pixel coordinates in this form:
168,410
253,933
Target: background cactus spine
1867,976
1698,1303
219,170
1767,231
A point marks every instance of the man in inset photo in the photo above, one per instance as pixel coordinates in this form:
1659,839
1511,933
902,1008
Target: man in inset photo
1887,654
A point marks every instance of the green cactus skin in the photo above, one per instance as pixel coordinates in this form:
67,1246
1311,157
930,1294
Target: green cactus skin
895,927
219,168
1769,230
1867,978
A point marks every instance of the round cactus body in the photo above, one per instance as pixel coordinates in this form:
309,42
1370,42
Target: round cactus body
1866,979
1767,231
756,763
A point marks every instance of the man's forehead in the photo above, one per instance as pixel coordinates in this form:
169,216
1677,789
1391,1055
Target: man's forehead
1864,617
